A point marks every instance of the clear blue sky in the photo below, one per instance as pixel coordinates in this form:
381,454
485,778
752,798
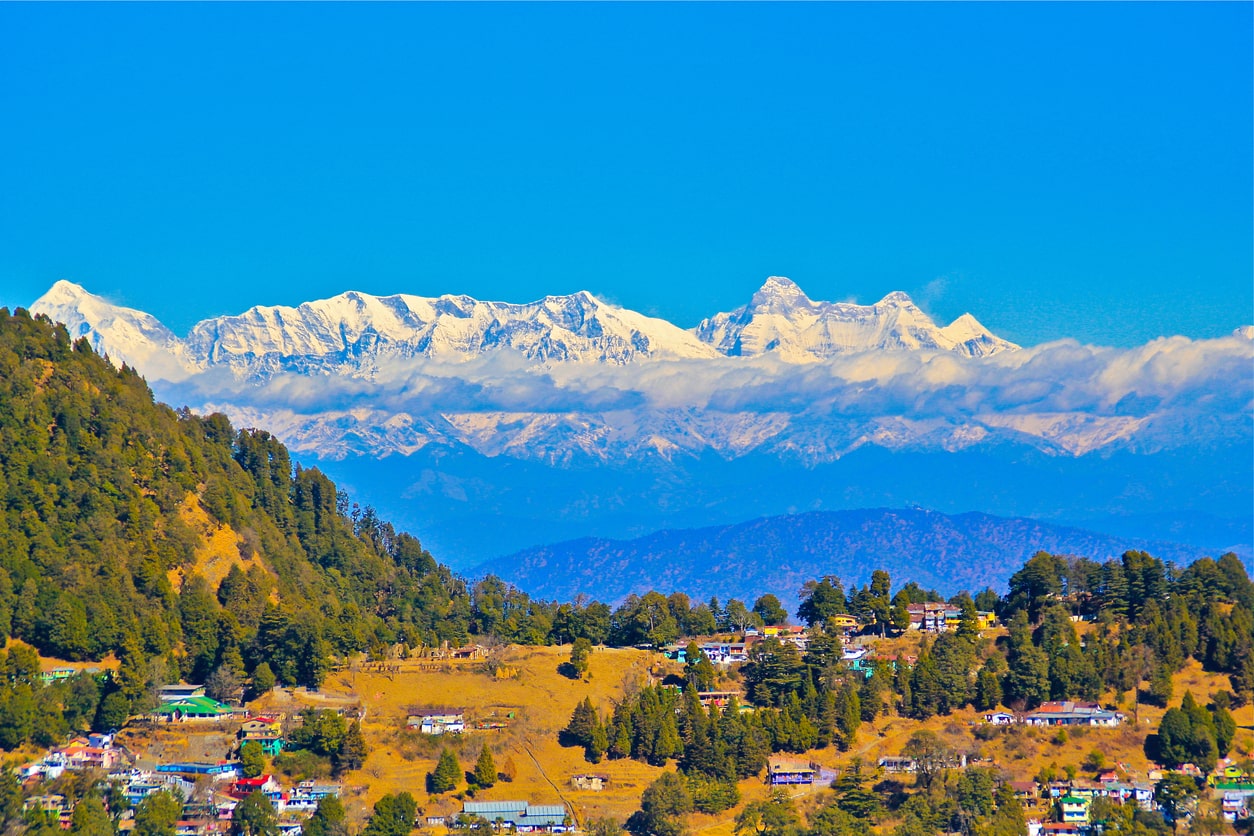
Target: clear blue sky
1058,170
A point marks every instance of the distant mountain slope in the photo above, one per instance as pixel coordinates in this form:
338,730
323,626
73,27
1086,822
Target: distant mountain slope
779,554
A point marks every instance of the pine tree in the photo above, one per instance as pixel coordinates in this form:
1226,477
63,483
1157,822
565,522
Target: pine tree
852,795
583,720
485,768
580,652
509,770
352,750
598,744
447,774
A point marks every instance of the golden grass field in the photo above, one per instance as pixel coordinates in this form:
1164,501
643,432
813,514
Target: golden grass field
542,700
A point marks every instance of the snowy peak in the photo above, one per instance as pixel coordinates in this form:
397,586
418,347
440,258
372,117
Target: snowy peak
782,321
1246,331
126,335
779,295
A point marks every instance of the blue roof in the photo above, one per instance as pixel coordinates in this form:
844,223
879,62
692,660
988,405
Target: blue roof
481,807
546,810
517,812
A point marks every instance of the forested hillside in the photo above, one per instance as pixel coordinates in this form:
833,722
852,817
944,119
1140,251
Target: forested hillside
97,554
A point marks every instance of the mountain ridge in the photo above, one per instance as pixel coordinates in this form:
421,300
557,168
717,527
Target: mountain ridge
777,554
346,328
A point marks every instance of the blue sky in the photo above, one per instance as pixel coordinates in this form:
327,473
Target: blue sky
1059,170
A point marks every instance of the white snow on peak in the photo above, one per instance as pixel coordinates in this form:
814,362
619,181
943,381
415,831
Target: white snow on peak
357,325
782,321
779,295
354,332
125,334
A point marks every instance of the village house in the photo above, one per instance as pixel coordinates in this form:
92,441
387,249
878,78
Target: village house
215,770
1073,809
305,796
79,753
180,691
722,654
1059,828
521,816
589,781
1236,805
897,764
437,720
1072,713
781,771
266,784
198,708
845,624
1140,794
933,618
55,808
266,731
719,699
1025,791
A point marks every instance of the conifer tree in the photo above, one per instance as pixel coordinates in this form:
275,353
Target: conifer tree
583,720
485,768
352,751
447,774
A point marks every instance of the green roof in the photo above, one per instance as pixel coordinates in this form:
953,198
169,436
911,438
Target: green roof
194,705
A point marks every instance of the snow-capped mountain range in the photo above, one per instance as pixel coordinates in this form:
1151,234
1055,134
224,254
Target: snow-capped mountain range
492,426
354,331
573,378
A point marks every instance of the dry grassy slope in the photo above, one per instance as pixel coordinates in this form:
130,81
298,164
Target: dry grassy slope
218,551
543,701
1024,751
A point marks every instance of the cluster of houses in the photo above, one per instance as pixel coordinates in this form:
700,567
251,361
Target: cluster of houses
436,720
96,751
1073,799
207,810
1060,713
442,719
211,789
940,617
1070,800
